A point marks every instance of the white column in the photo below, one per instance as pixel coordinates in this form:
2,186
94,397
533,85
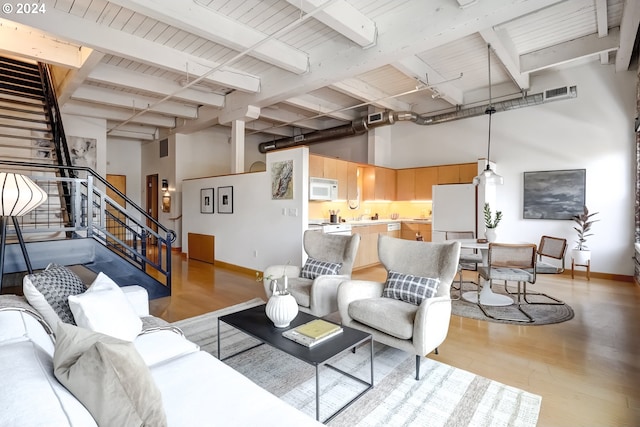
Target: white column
237,146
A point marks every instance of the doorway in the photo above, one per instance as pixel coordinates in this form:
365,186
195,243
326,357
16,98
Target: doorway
116,219
152,210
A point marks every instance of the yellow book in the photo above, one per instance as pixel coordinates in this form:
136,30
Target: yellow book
318,328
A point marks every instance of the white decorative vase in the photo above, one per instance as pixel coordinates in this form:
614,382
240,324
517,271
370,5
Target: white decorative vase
281,309
581,257
490,234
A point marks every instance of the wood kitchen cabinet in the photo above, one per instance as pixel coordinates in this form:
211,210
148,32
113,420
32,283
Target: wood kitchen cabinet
468,171
379,183
457,174
330,168
352,181
410,229
426,178
342,175
367,254
405,184
316,166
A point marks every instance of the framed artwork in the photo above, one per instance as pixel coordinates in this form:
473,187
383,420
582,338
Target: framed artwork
282,180
554,194
206,200
225,200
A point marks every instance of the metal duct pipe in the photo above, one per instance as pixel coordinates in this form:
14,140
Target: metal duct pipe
360,126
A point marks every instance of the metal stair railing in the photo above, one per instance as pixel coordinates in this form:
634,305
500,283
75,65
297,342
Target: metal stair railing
129,232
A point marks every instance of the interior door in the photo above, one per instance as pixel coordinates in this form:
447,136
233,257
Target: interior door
115,219
152,207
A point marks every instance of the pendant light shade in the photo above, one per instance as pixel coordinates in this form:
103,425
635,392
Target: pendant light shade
488,176
19,195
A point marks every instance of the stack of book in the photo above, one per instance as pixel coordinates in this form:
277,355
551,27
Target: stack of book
313,332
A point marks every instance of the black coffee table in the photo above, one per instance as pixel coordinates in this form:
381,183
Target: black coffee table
255,323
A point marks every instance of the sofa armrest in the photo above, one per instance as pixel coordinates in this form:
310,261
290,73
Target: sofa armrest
324,294
138,298
352,290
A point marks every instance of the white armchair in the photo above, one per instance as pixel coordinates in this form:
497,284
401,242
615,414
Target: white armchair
317,296
418,329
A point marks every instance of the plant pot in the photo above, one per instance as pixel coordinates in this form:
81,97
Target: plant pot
581,257
281,309
490,234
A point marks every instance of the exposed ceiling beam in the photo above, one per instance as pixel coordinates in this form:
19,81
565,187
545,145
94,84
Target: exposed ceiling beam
569,51
131,127
92,110
258,126
29,43
117,76
119,133
416,68
134,48
133,102
427,24
628,32
602,22
208,24
75,78
284,116
361,90
318,105
343,18
506,52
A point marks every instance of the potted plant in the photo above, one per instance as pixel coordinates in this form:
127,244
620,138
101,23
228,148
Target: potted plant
491,222
581,254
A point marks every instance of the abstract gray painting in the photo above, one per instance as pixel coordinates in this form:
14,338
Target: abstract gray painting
554,194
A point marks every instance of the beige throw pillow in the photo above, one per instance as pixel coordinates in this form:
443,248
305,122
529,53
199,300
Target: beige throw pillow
108,376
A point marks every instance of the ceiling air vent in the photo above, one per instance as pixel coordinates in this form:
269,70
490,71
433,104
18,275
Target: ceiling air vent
562,92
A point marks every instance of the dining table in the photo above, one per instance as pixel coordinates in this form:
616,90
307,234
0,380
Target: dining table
487,296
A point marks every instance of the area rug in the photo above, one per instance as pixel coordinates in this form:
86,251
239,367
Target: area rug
543,314
444,396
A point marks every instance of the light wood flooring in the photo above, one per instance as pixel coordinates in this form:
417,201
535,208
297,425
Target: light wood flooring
587,370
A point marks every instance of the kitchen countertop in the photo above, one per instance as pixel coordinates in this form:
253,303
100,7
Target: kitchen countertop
363,222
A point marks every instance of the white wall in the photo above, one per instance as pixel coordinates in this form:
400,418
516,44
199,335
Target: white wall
89,127
592,132
261,231
124,157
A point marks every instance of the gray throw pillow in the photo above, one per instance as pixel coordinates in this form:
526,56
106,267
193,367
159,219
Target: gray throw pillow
409,288
48,292
108,376
314,268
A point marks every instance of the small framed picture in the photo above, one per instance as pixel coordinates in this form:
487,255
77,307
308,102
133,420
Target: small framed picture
225,200
206,200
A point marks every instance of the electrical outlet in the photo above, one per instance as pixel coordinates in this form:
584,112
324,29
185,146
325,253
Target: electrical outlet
293,212
255,254
284,211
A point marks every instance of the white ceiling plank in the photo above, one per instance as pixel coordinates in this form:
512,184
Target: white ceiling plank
360,90
136,49
628,31
75,78
218,28
93,110
343,18
29,43
505,51
283,116
321,106
424,25
118,133
569,51
415,68
258,126
134,102
116,76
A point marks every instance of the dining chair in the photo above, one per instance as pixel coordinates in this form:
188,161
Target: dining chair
469,258
510,262
551,247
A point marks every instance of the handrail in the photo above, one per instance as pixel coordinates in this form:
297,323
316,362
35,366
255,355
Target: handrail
103,181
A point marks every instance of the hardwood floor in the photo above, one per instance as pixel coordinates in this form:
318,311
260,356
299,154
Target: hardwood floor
587,370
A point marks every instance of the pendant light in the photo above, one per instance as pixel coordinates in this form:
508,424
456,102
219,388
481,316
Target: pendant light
488,176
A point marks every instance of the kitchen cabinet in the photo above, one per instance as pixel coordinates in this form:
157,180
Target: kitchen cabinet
410,229
468,171
342,175
367,254
426,178
316,166
352,181
379,183
341,170
405,184
457,174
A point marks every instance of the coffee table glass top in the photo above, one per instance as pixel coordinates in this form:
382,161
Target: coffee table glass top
254,322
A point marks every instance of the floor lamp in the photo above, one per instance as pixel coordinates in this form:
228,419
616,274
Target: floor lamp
19,195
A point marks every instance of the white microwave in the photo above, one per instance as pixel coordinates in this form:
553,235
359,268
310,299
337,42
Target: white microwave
323,189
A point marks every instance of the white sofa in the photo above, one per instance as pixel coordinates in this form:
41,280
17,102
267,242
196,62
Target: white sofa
196,388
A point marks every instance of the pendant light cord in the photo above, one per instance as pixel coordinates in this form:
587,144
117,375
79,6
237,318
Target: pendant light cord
490,110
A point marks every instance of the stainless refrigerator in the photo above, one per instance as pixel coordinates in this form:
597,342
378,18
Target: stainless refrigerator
454,209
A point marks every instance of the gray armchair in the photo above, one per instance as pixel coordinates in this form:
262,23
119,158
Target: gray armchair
418,329
318,296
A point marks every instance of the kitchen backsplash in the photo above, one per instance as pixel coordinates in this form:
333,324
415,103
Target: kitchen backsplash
368,209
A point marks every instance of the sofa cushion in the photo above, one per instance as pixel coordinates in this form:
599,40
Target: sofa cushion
104,308
108,376
409,288
162,345
314,268
373,312
30,395
301,290
47,291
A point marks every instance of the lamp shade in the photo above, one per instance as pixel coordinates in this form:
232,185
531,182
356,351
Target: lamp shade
19,195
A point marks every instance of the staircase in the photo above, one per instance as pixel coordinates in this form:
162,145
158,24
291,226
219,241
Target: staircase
79,223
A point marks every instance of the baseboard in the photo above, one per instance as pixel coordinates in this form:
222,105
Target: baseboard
582,274
238,268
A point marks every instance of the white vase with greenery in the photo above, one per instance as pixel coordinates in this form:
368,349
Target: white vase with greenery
581,254
491,223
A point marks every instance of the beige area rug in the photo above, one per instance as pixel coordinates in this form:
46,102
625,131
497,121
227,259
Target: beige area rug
444,396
